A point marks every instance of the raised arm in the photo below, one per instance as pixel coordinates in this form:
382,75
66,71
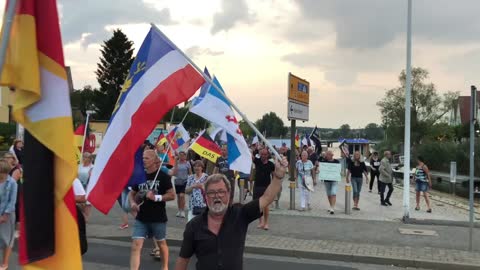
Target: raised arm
276,183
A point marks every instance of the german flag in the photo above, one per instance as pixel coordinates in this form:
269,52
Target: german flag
34,66
206,147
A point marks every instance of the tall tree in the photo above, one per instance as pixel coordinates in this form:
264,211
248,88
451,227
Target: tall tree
272,124
115,62
345,131
247,131
372,131
427,106
83,100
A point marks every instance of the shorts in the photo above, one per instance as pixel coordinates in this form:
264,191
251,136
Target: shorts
142,230
331,187
180,188
258,192
421,186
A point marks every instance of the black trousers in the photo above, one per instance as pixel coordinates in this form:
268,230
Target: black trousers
382,191
374,175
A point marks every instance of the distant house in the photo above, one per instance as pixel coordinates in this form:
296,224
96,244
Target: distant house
460,112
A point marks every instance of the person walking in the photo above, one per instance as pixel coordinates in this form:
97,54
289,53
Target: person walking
84,172
386,179
374,171
195,182
263,176
356,170
182,170
222,166
423,181
217,236
305,175
148,200
331,186
8,197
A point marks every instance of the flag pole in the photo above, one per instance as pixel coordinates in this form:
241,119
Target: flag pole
6,32
209,80
85,133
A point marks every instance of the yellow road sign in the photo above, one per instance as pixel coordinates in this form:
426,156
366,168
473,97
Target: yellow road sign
298,89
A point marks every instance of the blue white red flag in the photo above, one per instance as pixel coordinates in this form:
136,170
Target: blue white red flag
159,78
214,107
177,137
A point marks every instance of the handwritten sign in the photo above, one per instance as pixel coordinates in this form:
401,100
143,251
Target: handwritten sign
330,171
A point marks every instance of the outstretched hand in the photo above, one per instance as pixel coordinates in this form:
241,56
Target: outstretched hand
281,168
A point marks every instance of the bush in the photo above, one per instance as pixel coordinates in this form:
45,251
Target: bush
438,155
7,132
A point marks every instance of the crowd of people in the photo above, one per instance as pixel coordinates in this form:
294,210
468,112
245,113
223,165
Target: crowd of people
211,210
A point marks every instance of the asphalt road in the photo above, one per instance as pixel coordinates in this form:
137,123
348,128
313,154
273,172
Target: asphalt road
106,255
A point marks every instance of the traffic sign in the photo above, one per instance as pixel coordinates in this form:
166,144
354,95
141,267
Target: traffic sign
298,89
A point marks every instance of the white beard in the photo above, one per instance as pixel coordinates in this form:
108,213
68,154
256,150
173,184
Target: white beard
217,208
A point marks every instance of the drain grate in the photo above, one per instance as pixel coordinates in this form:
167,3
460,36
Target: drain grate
417,232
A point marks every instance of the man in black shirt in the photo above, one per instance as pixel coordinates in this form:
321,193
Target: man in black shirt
149,204
222,166
263,175
217,236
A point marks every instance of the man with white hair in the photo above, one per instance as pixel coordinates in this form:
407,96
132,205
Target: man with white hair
386,179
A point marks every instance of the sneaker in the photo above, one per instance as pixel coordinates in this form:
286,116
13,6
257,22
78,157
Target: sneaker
332,212
182,214
301,209
429,211
178,214
370,191
123,226
389,203
17,234
384,204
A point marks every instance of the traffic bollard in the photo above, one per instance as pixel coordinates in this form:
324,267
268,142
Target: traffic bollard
348,199
292,195
242,190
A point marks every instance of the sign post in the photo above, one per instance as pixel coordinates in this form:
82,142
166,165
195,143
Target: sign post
298,100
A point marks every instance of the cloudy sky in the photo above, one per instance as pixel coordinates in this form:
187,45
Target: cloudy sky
350,51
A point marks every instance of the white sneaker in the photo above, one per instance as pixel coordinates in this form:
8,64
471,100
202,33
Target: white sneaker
182,214
178,214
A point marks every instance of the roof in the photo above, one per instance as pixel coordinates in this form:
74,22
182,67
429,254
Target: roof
353,141
464,106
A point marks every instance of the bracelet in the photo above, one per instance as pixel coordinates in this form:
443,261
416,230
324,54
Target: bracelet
158,198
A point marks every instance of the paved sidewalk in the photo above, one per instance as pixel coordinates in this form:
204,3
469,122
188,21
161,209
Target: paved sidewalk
333,238
445,207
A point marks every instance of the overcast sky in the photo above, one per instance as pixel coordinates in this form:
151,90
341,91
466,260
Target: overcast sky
350,51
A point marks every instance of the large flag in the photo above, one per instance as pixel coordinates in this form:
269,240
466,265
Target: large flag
214,107
315,137
160,78
206,147
34,66
177,137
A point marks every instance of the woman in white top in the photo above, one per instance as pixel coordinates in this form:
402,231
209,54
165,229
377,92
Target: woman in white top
195,189
84,171
305,174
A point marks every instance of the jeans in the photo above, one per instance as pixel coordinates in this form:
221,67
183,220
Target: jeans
382,191
372,179
356,186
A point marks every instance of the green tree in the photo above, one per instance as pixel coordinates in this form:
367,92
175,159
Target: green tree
192,122
272,124
246,129
427,106
373,131
344,131
83,100
115,62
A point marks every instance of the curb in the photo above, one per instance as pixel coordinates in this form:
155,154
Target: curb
332,256
437,222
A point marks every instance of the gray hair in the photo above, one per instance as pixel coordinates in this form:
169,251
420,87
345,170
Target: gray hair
215,178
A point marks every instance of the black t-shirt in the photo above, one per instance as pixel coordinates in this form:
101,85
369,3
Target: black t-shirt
313,158
225,250
330,161
263,172
375,164
151,211
224,167
357,171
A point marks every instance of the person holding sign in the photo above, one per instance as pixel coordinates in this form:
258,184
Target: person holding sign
305,173
330,169
355,170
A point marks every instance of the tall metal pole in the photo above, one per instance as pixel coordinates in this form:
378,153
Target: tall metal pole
408,90
292,163
7,29
473,116
85,132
